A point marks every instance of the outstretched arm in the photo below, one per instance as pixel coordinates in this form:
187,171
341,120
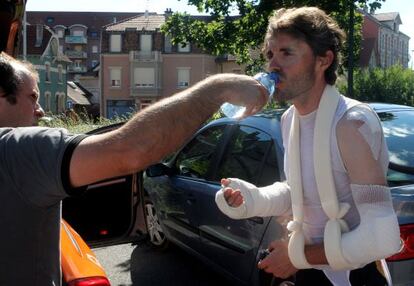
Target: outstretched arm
161,128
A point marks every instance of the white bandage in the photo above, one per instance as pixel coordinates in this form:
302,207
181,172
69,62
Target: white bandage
377,235
272,200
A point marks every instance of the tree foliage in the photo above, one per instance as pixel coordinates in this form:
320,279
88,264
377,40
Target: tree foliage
392,85
221,33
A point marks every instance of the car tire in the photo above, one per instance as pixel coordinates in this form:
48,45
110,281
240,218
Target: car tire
156,235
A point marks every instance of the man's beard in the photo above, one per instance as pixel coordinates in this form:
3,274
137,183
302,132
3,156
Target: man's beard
297,86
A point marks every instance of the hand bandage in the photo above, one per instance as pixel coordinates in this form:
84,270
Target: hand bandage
272,200
378,234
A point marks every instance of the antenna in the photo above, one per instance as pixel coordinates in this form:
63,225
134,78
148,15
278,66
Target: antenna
147,5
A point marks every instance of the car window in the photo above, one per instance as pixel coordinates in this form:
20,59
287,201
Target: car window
249,152
194,159
399,133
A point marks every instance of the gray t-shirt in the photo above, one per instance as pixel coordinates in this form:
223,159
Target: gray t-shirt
34,178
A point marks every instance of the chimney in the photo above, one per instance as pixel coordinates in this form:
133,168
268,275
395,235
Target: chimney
168,12
146,14
114,20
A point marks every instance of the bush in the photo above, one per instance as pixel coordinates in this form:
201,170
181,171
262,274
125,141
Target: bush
391,85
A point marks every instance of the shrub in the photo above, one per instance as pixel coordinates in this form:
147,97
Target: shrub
391,85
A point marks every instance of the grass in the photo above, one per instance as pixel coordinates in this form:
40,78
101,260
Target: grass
79,123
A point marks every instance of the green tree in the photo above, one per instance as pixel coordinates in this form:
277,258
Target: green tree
392,85
221,33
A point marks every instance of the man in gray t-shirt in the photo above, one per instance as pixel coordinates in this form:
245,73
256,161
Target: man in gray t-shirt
32,171
41,166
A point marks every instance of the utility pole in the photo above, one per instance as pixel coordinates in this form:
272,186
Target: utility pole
351,49
24,35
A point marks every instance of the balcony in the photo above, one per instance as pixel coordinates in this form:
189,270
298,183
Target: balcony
77,69
146,91
76,54
76,40
145,56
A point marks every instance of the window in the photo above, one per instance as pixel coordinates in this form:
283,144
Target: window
94,63
47,101
250,157
50,20
195,158
115,43
47,72
167,44
94,34
60,73
94,49
39,35
115,77
60,33
144,77
116,108
146,43
79,33
60,102
183,75
184,48
145,103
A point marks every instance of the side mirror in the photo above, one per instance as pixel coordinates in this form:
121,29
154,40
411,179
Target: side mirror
158,170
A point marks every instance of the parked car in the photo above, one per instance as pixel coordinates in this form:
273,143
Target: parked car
80,267
181,191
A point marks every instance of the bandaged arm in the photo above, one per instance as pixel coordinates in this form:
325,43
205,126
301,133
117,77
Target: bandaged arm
377,235
271,200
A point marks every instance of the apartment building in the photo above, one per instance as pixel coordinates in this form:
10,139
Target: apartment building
79,35
140,65
383,43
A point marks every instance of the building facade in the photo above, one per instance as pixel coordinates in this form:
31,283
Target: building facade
140,65
79,35
51,65
383,43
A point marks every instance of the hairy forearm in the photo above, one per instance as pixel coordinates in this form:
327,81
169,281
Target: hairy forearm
162,128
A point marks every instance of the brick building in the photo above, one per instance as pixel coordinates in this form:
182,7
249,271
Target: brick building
383,44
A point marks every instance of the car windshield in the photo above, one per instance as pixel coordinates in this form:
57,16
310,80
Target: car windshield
398,129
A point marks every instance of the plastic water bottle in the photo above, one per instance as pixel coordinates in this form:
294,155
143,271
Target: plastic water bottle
268,80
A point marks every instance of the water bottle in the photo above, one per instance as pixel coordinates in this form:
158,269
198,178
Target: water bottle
268,80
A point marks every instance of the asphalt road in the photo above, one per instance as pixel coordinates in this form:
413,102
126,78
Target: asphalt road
128,264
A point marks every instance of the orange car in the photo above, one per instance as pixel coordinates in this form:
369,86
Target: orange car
79,264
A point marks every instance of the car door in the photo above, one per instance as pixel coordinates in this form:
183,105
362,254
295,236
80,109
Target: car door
110,211
233,244
175,195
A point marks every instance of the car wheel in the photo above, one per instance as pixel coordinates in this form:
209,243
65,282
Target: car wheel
156,235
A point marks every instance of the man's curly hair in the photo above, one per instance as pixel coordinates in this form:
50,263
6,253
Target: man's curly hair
313,26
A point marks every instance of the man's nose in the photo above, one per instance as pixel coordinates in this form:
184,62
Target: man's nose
39,112
273,65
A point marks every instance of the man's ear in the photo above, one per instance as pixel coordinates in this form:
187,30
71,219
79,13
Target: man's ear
326,60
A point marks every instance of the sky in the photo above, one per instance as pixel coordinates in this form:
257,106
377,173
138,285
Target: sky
404,7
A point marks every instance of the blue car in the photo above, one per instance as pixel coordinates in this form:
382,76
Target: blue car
180,192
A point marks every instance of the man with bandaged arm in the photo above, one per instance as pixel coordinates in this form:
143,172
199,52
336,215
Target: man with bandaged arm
336,158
